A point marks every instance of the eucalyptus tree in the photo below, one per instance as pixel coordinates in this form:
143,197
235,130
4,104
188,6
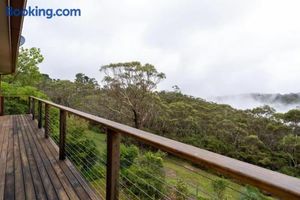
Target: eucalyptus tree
27,70
131,90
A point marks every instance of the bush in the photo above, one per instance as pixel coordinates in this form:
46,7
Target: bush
148,174
251,193
181,192
219,187
16,101
80,149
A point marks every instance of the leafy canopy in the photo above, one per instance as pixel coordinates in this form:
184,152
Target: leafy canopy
27,72
130,87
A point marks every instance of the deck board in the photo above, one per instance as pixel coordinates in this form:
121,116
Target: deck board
30,168
3,159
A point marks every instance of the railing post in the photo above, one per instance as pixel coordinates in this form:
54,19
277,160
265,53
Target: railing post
33,109
113,165
1,105
62,134
29,105
47,120
40,116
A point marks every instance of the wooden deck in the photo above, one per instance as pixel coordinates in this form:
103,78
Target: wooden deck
30,168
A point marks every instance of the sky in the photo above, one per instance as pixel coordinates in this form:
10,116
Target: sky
206,47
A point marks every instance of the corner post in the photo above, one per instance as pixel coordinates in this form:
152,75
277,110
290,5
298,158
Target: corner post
113,165
29,105
47,120
40,116
33,109
62,134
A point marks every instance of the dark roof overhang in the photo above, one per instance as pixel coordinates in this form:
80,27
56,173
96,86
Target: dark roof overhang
10,32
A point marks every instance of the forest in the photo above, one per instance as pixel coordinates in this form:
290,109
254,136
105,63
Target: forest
128,94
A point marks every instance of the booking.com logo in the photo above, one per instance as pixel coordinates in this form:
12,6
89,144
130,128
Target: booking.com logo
49,13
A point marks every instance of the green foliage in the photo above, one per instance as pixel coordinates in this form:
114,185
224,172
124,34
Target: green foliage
128,155
181,192
292,116
79,147
16,98
264,111
27,72
219,187
148,174
77,140
129,88
291,145
84,80
14,90
254,138
251,193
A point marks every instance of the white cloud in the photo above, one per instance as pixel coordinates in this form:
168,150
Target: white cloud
206,47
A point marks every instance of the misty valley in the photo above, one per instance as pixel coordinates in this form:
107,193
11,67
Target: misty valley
280,102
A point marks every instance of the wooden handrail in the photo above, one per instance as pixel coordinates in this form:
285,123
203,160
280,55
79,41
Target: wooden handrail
280,185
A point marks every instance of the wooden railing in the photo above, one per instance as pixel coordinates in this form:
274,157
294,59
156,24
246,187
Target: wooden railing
275,183
4,99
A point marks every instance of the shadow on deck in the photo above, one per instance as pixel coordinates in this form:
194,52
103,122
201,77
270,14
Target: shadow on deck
29,165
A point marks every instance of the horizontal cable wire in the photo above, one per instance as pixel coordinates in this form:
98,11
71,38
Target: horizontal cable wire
134,184
123,188
211,179
99,177
139,178
56,139
159,179
103,185
121,183
144,179
160,192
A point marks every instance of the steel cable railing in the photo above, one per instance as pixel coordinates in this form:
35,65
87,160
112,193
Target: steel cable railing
76,160
211,179
72,151
103,183
102,161
139,178
188,182
135,185
53,131
100,185
129,191
99,164
160,180
77,163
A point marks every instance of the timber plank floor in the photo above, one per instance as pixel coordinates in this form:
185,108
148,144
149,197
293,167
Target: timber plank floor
30,168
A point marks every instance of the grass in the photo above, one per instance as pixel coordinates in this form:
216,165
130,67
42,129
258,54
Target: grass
99,139
198,181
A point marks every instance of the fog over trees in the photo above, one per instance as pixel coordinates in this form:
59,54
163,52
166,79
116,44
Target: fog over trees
280,102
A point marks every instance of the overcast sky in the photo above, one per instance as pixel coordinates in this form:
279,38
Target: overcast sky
206,47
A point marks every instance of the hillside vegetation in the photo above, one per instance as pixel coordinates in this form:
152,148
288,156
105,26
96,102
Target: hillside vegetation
128,95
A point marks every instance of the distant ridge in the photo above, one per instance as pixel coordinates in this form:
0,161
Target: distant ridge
281,102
